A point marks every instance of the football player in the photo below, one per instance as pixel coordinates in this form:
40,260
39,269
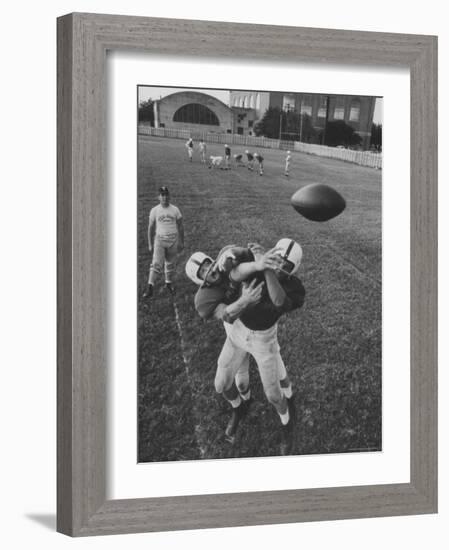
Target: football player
253,330
238,159
259,159
219,297
227,156
250,158
288,158
203,151
189,147
165,240
215,161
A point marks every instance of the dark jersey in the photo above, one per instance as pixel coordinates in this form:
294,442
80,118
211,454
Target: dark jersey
228,151
250,156
259,158
208,297
265,314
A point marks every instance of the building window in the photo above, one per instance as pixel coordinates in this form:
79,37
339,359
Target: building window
339,110
251,102
241,102
240,130
322,109
288,102
250,123
258,101
195,113
354,113
306,105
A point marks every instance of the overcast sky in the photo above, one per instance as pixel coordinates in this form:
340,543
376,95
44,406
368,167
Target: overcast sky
156,92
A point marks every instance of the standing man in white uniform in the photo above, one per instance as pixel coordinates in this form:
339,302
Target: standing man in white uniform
227,157
203,151
165,240
189,147
288,159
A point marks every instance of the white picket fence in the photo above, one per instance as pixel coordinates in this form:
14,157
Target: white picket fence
363,158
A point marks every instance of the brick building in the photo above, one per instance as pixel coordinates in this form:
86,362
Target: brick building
356,111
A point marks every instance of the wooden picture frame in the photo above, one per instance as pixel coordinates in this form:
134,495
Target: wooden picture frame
83,40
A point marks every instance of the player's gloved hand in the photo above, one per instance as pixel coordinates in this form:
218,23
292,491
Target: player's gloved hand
252,293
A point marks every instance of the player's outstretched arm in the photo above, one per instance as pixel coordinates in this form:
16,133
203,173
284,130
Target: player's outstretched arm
262,261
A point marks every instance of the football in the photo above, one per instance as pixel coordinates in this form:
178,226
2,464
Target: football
318,202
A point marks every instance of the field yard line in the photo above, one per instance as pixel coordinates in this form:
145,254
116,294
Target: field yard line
198,432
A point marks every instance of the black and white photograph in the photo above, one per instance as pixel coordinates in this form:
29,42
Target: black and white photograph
259,273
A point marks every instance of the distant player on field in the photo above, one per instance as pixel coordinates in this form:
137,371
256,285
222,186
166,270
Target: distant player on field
189,146
238,159
227,156
203,151
215,162
165,240
250,158
259,159
287,164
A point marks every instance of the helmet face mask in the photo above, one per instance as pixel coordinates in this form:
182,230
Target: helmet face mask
207,274
287,267
291,254
195,267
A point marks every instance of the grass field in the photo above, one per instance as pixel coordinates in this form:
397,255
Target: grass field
331,346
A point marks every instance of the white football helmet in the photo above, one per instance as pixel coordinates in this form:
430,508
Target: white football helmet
194,264
291,253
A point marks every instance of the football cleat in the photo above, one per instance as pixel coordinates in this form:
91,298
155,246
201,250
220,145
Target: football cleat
237,415
148,292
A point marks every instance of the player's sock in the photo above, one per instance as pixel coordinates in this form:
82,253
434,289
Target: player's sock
285,417
286,385
236,402
246,395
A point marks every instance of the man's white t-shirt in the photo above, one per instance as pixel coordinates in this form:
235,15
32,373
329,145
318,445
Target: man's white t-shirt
165,219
